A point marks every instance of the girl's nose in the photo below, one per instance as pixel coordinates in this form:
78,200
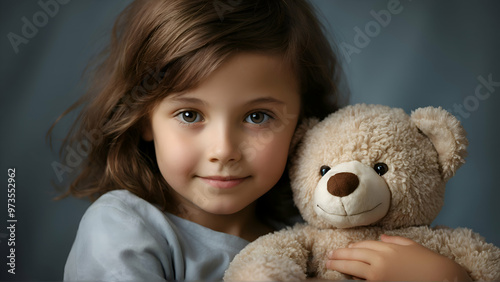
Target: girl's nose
224,147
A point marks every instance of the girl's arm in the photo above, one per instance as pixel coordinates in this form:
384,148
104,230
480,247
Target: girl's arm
395,258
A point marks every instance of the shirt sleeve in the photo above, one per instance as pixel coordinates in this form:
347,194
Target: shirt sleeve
113,244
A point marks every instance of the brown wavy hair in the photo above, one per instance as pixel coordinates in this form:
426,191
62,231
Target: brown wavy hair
160,47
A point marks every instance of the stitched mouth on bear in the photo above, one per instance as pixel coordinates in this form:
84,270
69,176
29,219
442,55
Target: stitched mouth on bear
368,210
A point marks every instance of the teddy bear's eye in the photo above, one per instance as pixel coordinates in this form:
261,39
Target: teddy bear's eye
324,169
380,168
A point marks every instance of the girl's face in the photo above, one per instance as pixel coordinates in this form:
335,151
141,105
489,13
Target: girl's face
223,144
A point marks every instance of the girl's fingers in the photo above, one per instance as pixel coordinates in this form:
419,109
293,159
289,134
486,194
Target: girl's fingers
369,244
349,267
396,240
358,254
382,244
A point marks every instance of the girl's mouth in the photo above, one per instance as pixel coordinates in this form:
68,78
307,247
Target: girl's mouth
223,182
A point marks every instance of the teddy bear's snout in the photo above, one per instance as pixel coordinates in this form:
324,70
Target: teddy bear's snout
351,194
342,184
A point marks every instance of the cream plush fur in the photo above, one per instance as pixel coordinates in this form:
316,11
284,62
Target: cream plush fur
342,192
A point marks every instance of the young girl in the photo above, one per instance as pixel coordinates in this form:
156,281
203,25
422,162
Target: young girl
190,119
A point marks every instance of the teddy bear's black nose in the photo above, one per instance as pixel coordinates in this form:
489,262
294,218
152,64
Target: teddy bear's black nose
342,184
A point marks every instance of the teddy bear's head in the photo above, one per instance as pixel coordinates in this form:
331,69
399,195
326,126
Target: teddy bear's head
375,165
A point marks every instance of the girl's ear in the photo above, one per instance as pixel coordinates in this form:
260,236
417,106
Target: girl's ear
301,130
446,134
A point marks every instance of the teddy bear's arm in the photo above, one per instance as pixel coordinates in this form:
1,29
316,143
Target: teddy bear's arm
481,260
280,256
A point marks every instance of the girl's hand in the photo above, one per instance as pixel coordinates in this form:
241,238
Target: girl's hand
394,258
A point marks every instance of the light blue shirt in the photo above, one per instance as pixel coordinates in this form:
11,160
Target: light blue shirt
122,237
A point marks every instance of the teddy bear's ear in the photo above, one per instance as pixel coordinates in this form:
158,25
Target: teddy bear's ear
301,130
446,134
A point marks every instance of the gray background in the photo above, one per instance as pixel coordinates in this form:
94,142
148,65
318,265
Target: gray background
430,53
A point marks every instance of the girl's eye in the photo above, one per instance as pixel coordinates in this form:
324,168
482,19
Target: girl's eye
189,117
257,118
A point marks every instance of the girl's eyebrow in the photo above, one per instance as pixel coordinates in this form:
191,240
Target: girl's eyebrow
265,100
196,101
181,99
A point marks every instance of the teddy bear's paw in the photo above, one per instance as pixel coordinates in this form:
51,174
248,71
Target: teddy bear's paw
266,268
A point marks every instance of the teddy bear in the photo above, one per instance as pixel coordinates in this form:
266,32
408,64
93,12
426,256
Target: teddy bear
363,171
